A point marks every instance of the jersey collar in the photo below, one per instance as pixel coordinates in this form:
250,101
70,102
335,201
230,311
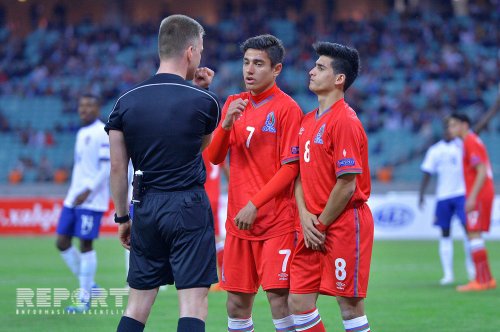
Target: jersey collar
335,106
264,97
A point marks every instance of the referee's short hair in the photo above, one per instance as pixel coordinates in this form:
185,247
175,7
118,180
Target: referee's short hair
175,35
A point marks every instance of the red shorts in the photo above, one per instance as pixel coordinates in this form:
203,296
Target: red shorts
248,264
479,220
344,269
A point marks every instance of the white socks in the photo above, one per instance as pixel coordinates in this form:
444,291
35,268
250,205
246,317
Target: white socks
469,263
88,267
240,325
284,324
71,257
446,255
358,324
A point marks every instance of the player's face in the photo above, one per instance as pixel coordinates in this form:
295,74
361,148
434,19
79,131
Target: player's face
455,128
194,57
322,78
88,109
258,73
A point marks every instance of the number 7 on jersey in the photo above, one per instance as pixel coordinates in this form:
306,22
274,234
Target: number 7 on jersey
251,130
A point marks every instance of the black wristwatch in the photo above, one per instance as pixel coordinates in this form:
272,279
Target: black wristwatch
122,220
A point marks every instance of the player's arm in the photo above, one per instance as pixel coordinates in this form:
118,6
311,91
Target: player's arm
205,141
470,203
423,186
219,147
281,180
312,237
119,182
338,199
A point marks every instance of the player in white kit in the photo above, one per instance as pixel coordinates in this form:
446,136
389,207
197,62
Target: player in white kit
86,200
444,159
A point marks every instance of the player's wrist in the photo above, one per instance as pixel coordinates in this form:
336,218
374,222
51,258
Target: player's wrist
321,226
227,126
122,219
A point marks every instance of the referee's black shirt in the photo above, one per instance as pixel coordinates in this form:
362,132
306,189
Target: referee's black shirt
163,120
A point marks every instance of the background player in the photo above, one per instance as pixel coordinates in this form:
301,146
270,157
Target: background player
212,187
171,238
87,199
444,159
260,132
331,194
479,199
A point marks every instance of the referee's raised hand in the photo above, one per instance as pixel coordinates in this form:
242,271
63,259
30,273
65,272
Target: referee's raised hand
203,76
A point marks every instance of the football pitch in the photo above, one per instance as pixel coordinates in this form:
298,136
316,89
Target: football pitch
404,294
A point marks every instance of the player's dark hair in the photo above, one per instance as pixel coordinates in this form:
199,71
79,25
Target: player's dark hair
268,43
460,117
345,60
176,34
92,96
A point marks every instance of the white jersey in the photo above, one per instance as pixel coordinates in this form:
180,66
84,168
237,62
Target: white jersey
445,160
91,168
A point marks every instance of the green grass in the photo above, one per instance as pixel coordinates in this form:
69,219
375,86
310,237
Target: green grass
404,294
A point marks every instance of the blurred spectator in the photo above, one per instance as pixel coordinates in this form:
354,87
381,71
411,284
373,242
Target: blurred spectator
44,170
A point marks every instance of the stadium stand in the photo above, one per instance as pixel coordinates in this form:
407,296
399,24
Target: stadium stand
416,68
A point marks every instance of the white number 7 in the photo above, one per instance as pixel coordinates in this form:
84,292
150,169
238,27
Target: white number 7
287,253
251,130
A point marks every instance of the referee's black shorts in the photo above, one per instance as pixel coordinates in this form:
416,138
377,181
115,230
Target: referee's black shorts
173,240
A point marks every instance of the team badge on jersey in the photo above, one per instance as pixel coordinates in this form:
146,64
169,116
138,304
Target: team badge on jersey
319,136
269,126
302,129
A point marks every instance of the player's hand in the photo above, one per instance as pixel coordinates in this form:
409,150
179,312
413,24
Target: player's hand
234,112
203,77
470,204
82,197
245,218
312,237
124,234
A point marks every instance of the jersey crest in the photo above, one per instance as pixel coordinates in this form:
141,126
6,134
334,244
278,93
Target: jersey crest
270,124
319,136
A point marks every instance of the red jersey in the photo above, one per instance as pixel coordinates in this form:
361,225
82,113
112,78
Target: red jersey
261,140
333,144
475,153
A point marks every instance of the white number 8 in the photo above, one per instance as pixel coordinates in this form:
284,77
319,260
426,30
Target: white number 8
340,272
307,152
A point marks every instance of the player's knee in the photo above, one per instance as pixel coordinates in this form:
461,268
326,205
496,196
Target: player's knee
445,232
278,299
238,307
351,308
63,243
299,304
86,246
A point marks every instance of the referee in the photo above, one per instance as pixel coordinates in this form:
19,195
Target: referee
162,125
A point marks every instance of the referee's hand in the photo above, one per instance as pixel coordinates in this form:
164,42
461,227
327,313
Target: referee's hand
124,234
203,76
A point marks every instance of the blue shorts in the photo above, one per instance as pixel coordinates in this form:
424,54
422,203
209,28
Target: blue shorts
446,208
172,241
81,223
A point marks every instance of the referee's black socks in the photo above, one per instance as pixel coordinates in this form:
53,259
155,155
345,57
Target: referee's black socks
190,324
128,324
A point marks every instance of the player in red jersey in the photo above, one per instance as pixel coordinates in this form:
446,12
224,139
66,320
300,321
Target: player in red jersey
334,248
212,187
259,131
479,193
